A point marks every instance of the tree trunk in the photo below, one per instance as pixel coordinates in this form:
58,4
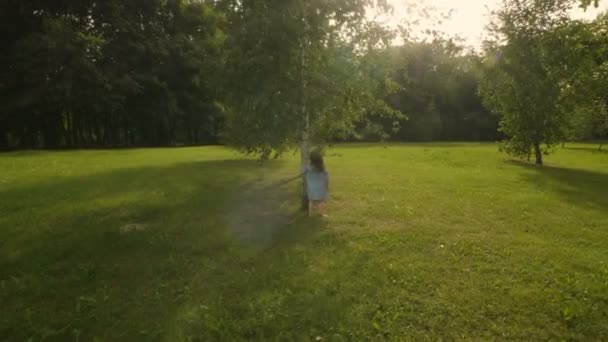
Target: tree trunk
72,130
539,154
304,161
98,138
4,144
600,148
305,143
305,148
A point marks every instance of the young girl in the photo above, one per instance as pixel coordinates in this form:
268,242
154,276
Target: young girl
317,184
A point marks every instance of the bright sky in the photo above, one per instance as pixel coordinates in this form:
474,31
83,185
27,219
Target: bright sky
470,16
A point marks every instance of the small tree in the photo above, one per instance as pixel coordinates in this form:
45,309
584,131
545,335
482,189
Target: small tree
530,65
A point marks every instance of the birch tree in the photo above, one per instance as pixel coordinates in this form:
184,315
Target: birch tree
300,73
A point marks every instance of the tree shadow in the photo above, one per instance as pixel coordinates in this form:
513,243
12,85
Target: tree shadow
67,265
589,149
257,214
21,153
437,144
580,187
275,295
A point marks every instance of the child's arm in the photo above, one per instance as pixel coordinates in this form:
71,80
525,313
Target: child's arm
289,180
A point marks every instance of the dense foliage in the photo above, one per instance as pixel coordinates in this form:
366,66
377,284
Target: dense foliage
87,74
545,75
111,73
439,93
270,75
589,119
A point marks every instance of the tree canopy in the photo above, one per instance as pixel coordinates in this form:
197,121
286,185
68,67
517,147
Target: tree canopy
113,73
266,76
538,72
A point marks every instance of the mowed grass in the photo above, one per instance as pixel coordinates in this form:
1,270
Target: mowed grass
444,241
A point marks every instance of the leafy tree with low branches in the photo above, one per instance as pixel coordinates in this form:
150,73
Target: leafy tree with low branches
301,72
531,63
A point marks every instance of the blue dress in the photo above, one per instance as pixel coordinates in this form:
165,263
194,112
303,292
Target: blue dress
317,184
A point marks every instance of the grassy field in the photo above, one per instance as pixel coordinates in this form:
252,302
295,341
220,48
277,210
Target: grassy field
449,241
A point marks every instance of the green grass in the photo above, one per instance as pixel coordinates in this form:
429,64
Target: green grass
445,241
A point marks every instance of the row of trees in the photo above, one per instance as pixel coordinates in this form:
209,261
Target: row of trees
79,73
102,74
439,92
265,76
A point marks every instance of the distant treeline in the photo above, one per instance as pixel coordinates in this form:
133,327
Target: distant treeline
439,94
79,74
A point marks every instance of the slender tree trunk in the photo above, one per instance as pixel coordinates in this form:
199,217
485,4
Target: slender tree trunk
127,138
305,147
65,133
305,143
304,161
106,133
71,119
600,148
190,135
79,133
98,138
72,130
538,153
3,140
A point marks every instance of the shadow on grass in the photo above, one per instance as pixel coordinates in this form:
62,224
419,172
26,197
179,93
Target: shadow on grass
67,270
438,144
579,187
590,149
283,293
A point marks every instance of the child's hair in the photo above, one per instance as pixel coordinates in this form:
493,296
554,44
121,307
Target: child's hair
316,160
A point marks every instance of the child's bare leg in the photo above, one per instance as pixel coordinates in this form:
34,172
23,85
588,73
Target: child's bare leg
322,208
313,208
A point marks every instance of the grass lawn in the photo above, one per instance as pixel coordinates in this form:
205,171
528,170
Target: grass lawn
444,241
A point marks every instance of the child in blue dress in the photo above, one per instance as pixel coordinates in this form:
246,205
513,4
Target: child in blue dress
317,184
